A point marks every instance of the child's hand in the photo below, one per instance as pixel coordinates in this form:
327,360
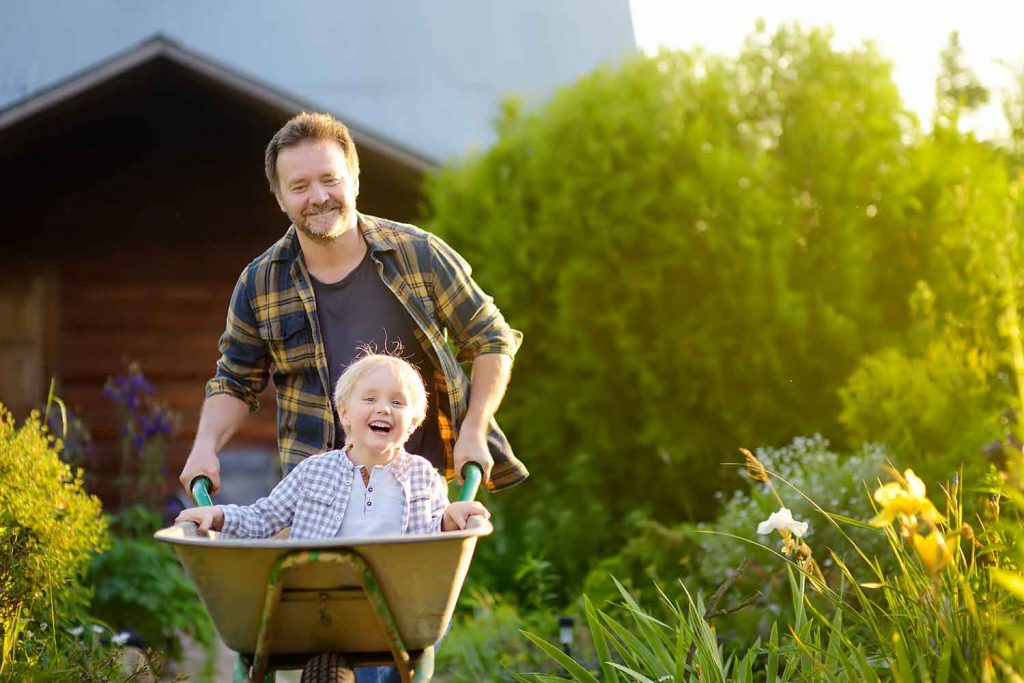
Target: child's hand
209,518
456,514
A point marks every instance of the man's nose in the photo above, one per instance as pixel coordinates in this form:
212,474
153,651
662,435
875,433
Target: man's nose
318,194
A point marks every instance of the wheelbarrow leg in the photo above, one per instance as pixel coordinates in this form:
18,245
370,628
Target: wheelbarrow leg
424,667
240,674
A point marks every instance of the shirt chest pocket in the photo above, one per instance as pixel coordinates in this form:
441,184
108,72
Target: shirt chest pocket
290,342
317,513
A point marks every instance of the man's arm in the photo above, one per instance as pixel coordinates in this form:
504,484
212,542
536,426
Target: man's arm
466,311
482,336
242,373
221,417
489,377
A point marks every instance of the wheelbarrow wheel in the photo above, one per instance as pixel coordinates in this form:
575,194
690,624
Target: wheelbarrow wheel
329,667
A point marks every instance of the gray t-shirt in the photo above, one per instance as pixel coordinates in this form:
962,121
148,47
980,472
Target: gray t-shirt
358,310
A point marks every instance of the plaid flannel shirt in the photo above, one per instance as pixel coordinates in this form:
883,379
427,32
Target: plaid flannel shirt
313,497
272,323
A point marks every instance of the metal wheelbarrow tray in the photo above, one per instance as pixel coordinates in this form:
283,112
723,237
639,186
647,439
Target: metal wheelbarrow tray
385,599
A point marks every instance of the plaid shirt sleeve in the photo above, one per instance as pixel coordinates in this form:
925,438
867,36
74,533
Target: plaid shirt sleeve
244,365
426,483
268,515
466,310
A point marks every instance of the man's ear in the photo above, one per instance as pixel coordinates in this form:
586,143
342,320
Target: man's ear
277,196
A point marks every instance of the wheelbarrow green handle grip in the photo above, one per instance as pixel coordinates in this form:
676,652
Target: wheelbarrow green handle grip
472,475
201,490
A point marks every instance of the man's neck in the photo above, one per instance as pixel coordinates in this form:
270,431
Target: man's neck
332,261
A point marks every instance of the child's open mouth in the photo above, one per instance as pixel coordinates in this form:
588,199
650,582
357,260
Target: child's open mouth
380,427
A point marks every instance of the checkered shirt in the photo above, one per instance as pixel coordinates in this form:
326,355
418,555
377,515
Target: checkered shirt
313,497
272,323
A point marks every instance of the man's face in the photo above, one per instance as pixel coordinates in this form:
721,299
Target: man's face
316,189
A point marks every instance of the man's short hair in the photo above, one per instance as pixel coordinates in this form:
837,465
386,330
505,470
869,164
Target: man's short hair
309,127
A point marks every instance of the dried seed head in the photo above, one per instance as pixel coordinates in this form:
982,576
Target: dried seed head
755,468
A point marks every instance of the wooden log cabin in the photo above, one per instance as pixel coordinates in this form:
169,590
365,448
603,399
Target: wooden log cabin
135,196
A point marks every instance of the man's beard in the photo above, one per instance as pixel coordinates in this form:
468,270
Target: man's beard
346,218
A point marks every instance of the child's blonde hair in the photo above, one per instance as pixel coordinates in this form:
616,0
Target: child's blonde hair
404,371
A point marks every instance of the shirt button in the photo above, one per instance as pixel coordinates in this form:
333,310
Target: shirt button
370,489
369,503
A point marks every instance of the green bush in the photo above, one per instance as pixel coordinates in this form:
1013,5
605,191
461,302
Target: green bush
699,251
49,529
930,410
666,556
141,587
486,644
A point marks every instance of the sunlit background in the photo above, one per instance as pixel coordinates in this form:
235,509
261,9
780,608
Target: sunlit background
704,255
910,34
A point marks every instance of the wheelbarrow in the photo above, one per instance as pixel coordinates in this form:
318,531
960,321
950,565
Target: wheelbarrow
382,600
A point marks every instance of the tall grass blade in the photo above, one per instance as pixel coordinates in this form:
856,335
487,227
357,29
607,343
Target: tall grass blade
597,634
565,661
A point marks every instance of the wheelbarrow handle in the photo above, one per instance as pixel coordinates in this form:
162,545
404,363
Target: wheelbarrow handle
200,489
472,475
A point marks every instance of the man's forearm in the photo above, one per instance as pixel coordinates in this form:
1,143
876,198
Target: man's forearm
488,380
221,417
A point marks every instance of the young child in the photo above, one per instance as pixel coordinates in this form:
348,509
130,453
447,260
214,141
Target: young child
371,487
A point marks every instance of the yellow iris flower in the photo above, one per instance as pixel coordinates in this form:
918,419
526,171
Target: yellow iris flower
906,499
933,550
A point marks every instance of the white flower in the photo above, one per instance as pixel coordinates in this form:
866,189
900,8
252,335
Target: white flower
76,631
96,628
783,522
120,638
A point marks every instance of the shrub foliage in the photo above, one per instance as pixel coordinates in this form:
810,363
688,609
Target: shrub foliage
702,251
49,529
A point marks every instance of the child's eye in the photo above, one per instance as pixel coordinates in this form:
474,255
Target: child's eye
398,403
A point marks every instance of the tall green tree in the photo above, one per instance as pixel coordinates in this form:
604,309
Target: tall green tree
700,252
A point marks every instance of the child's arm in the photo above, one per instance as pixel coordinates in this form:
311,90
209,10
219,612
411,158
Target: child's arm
458,513
209,518
266,516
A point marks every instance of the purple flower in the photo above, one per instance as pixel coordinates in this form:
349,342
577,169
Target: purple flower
159,422
127,390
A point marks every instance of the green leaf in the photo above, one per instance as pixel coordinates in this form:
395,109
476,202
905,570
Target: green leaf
772,666
597,633
565,661
1011,581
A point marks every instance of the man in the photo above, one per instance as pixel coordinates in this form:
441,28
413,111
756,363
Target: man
337,282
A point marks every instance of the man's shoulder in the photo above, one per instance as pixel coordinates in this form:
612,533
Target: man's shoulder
383,234
280,252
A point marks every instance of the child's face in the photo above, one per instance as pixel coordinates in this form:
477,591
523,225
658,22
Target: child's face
378,416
